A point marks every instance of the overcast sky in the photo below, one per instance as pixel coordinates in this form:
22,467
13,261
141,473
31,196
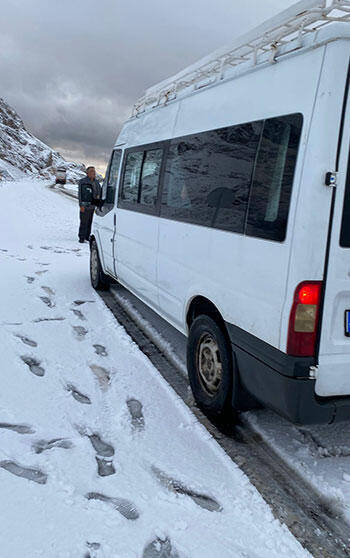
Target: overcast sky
74,68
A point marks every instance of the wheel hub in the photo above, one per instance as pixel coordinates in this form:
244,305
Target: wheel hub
209,364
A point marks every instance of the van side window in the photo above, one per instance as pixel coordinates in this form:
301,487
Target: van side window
131,179
273,178
150,177
232,164
110,183
184,190
208,175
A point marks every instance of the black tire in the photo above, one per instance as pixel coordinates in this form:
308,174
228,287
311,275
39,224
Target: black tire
99,280
214,397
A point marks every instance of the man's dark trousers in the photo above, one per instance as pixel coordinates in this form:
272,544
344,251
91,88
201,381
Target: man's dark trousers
86,216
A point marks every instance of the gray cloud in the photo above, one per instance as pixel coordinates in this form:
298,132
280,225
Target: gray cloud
74,68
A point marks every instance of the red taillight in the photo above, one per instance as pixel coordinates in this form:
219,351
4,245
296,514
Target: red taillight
309,293
303,319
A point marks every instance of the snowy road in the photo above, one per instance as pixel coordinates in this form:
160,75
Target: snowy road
320,454
98,456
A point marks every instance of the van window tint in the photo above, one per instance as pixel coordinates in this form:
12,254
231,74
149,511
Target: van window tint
345,226
208,175
273,178
110,183
150,177
131,179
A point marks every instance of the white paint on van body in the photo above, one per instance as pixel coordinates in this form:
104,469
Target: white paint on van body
243,276
250,280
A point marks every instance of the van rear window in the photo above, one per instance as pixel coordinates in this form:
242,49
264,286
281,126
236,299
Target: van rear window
345,226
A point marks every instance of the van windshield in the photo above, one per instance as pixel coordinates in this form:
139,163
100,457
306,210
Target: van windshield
345,226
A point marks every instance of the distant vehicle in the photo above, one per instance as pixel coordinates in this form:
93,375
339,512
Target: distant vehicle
61,175
232,216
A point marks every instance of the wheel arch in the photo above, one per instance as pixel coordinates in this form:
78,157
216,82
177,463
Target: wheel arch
201,305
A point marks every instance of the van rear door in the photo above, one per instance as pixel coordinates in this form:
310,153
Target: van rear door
333,374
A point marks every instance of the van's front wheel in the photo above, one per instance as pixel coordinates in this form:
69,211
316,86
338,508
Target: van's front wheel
210,367
99,280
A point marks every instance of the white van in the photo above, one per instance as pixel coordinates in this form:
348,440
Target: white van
61,175
227,211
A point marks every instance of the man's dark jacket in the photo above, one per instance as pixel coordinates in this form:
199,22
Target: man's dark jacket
89,192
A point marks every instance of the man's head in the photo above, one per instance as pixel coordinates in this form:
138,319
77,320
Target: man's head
91,173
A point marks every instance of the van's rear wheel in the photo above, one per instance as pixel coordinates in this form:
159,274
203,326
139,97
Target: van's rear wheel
99,280
210,367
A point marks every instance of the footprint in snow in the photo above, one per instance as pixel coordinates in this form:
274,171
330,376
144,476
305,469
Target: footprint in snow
78,396
3,250
30,246
80,302
46,300
40,272
102,375
46,247
38,320
48,291
124,507
43,263
100,350
34,475
44,445
104,452
79,314
105,467
178,487
93,547
30,279
33,365
80,332
21,259
136,414
19,428
160,548
100,446
27,341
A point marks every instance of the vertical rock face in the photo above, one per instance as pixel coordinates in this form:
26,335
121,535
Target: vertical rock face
22,154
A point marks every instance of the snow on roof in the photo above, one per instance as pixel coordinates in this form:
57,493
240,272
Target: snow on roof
290,28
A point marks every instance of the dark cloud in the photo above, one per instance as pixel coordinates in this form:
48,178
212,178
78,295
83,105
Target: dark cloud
74,68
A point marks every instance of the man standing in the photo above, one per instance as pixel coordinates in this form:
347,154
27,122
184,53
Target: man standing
89,198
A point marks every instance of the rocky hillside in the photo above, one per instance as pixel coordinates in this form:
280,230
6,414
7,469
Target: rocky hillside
22,154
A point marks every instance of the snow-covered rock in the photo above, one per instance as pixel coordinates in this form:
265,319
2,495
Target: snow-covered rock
22,154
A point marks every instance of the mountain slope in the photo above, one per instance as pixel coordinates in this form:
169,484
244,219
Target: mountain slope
22,154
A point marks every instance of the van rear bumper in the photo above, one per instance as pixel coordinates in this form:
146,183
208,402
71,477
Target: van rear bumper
281,382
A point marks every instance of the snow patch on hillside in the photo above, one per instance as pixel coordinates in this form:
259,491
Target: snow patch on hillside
22,154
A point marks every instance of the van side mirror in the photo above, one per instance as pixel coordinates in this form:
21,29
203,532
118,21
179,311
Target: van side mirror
221,198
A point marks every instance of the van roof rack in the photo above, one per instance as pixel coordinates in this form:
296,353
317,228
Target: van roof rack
264,42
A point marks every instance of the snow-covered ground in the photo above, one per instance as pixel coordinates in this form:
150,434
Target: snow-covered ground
98,456
321,454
